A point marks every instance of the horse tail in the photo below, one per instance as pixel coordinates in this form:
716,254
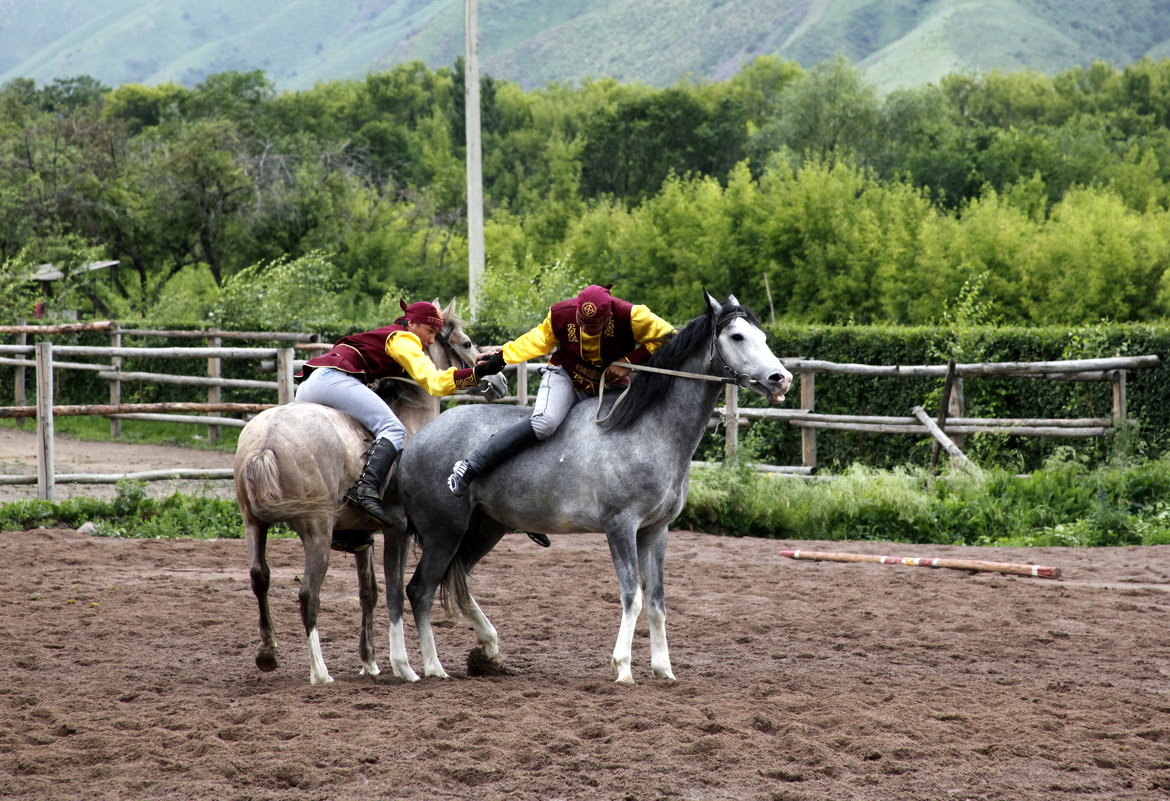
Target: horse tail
262,490
454,592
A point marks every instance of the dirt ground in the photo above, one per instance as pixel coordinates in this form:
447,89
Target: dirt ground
127,673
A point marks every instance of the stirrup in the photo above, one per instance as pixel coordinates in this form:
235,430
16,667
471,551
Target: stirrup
540,539
348,541
456,482
369,504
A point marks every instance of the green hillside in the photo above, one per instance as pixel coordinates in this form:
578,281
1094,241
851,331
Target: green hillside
298,43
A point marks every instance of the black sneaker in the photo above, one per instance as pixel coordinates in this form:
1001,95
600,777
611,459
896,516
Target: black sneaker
458,482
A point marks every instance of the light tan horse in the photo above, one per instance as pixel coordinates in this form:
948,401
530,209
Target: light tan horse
293,465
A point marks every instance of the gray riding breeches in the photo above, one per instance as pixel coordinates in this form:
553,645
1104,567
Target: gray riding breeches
347,393
553,400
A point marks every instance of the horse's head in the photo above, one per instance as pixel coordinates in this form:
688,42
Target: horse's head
453,348
742,346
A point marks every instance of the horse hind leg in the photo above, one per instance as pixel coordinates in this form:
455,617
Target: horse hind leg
368,595
315,538
481,537
397,546
256,534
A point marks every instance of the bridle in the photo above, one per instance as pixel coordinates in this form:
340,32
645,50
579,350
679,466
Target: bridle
742,380
445,340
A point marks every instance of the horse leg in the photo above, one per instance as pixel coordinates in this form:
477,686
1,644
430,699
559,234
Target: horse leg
315,537
476,544
651,564
397,545
432,568
368,595
256,534
625,562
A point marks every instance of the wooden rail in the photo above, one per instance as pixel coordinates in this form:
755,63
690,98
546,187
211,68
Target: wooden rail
947,430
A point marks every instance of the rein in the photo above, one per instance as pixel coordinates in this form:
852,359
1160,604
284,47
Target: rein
742,380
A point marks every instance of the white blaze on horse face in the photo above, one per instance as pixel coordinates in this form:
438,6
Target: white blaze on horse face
745,347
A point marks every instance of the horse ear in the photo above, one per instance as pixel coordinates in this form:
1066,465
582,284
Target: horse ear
713,306
449,312
733,301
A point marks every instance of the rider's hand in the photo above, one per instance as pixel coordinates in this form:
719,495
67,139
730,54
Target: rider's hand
489,364
616,372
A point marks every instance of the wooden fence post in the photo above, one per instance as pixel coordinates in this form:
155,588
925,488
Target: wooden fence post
731,424
808,436
214,370
115,384
46,471
20,397
284,375
1119,411
944,409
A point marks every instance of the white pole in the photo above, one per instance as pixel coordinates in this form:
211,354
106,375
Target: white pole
475,255
46,469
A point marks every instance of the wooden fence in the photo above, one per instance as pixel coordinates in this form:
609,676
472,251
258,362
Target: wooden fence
948,428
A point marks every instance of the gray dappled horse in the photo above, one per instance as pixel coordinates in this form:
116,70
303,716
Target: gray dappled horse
293,465
626,477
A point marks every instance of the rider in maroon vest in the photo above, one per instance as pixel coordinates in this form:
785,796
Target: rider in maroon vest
592,334
340,377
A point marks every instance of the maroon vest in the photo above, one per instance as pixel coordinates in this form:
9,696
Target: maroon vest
617,341
363,355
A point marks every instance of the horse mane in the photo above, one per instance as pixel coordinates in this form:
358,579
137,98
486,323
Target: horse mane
648,389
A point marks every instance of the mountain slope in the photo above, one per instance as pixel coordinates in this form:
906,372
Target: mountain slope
298,43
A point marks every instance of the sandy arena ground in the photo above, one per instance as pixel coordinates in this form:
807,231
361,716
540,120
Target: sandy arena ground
127,673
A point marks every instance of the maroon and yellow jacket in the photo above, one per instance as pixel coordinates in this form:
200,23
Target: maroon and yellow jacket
632,334
390,352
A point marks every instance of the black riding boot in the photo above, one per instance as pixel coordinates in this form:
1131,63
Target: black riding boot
367,492
500,446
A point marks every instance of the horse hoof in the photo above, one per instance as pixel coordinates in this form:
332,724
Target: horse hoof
480,664
266,660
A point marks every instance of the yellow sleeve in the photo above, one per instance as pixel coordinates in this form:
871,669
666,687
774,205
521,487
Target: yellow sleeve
540,341
406,349
648,326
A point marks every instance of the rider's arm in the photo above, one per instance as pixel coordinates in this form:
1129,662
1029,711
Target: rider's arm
540,341
406,349
650,331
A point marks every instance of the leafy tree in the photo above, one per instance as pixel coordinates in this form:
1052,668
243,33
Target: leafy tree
828,114
281,295
631,150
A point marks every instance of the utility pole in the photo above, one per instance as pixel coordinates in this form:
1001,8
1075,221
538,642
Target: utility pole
475,255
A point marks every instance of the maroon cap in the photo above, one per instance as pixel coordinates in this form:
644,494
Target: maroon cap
594,305
422,312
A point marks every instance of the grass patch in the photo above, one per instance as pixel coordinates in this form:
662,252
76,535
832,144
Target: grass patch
133,513
1065,503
